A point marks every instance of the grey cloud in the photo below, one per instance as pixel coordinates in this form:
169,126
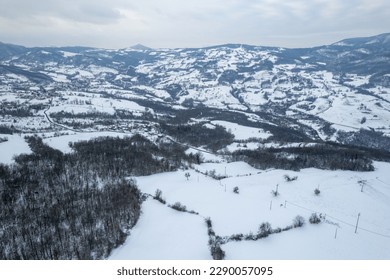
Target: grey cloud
105,11
191,23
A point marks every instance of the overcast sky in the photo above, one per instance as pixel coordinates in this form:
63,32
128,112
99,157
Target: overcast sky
189,23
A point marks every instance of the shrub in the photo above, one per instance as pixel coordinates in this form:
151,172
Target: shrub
250,236
211,232
216,252
179,207
265,229
208,222
289,179
212,173
236,190
287,228
158,196
314,219
277,230
298,221
317,191
220,240
237,237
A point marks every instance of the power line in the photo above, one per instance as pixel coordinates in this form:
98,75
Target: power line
339,220
382,181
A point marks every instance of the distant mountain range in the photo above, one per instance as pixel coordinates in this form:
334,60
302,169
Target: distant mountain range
331,89
239,134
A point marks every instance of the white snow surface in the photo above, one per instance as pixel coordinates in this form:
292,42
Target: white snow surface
163,233
16,143
14,146
62,142
241,132
207,156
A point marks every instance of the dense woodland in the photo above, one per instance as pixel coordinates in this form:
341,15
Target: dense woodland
322,156
82,205
366,138
77,205
199,135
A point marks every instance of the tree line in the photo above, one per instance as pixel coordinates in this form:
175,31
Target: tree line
77,205
199,135
321,156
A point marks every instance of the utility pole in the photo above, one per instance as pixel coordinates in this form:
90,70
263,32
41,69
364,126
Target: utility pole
362,184
357,222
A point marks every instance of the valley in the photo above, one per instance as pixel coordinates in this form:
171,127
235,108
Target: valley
240,139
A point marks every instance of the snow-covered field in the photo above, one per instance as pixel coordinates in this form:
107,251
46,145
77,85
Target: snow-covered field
176,235
62,142
16,143
163,233
14,146
241,132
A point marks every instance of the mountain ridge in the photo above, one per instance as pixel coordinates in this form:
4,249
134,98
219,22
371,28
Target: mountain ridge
334,90
234,44
121,154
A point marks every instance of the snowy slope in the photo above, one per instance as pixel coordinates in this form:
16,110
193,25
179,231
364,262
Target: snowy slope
14,146
266,97
163,233
340,200
342,83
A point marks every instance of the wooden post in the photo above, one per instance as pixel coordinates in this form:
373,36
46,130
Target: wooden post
285,202
362,184
335,234
357,222
270,206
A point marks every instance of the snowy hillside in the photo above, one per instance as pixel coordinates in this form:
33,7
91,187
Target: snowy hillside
342,87
236,151
168,234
